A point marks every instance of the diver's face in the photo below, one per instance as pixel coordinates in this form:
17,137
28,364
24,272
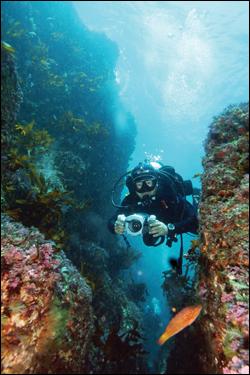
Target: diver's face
147,187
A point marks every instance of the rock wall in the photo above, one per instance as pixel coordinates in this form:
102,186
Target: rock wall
62,153
224,228
67,75
68,135
218,341
69,113
47,317
11,97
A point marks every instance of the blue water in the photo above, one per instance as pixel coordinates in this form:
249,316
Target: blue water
180,64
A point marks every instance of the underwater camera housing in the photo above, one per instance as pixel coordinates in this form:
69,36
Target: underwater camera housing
137,224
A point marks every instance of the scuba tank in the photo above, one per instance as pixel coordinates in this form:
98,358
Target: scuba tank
175,183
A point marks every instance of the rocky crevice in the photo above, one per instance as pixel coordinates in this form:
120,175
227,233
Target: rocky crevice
224,228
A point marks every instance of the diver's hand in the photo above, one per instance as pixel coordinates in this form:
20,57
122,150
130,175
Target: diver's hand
120,224
157,228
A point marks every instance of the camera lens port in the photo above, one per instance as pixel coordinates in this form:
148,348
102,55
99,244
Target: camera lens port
135,226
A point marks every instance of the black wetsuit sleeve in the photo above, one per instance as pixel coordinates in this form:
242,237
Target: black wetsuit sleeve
189,223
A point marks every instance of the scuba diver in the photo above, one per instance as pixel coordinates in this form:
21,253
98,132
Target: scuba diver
156,206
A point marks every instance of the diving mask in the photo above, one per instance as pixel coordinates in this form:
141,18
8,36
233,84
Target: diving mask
145,185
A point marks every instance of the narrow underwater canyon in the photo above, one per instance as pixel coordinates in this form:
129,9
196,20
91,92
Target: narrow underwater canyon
69,304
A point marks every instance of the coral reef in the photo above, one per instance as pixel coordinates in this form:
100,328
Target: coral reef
108,287
76,98
116,312
119,348
59,174
224,214
180,291
47,318
137,292
219,258
26,195
70,72
11,97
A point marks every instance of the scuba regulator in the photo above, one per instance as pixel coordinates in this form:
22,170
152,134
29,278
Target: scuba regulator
145,178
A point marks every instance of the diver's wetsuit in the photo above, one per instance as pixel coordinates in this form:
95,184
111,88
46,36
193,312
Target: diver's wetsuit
167,208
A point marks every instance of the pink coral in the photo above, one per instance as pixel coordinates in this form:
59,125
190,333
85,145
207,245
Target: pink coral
37,305
224,214
236,366
226,297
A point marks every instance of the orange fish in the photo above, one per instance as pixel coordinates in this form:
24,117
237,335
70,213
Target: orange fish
181,320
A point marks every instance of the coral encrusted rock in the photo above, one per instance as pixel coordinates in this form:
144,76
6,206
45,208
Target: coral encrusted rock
11,96
47,319
224,215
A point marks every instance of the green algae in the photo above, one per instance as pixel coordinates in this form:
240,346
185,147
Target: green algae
238,285
231,335
59,316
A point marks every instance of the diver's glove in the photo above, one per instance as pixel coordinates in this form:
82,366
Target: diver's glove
157,228
120,224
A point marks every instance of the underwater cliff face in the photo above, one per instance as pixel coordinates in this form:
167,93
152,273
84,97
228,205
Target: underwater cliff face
218,342
11,96
68,83
62,153
224,215
66,139
47,317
